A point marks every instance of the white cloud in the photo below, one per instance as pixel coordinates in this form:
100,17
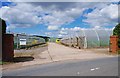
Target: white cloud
48,33
110,11
63,32
69,31
97,27
5,0
104,16
31,14
53,27
62,0
20,15
58,18
10,27
54,15
74,12
75,28
3,10
60,35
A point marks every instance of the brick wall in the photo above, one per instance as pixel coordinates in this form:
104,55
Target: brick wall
7,47
114,44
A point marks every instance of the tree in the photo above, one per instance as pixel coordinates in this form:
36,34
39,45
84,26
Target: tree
116,31
3,26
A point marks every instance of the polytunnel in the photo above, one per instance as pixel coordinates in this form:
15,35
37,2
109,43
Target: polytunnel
93,38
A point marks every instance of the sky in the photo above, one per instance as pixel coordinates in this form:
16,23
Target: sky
56,18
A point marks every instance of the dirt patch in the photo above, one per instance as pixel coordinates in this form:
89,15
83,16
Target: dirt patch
31,52
99,50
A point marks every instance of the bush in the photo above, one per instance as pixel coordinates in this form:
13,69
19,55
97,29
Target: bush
119,43
116,31
3,26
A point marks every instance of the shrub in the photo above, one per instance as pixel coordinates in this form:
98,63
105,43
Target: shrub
116,31
119,42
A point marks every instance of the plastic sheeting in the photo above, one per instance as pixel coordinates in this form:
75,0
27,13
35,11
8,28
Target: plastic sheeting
92,37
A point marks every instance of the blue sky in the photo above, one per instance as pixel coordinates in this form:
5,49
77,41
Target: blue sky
44,18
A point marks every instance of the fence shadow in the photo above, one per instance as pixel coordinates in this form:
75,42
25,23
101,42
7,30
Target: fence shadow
23,59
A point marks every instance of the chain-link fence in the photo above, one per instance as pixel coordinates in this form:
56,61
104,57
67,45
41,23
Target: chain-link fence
22,41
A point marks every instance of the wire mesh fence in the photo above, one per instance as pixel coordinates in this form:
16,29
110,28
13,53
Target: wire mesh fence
22,41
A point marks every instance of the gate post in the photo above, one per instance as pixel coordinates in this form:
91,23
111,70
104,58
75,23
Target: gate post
8,47
113,44
7,44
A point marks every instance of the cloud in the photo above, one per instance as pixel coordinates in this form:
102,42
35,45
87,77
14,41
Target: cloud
105,16
69,31
5,0
3,10
97,27
48,33
60,35
63,32
62,0
110,11
11,27
56,14
75,28
20,15
49,14
53,27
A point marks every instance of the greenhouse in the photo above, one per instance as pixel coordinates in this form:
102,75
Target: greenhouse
88,38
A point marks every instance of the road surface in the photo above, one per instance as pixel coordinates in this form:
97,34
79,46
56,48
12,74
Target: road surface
96,67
